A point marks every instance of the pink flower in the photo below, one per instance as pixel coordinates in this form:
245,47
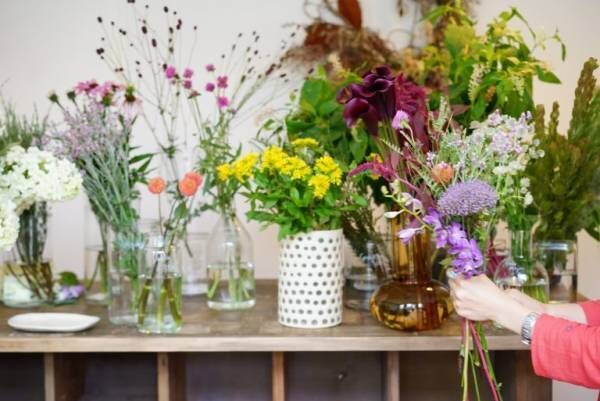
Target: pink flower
401,120
187,83
187,73
222,81
210,67
170,72
210,87
85,86
222,101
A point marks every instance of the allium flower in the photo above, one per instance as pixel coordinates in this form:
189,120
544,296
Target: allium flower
187,84
222,82
210,67
170,72
222,101
210,87
467,198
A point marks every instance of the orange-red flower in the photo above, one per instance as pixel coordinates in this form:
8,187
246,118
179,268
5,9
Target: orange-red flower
156,185
188,186
196,177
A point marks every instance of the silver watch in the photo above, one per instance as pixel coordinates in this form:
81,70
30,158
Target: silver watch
527,328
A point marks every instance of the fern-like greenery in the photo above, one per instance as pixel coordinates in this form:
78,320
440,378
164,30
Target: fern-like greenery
565,183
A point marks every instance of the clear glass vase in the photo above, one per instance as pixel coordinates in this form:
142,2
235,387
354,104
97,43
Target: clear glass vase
96,260
363,275
193,263
520,271
125,262
559,260
29,280
230,265
159,306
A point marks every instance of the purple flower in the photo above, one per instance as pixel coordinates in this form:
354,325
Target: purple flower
222,82
210,87
378,169
187,73
170,72
401,119
210,67
433,219
467,198
222,101
359,109
441,238
187,83
407,234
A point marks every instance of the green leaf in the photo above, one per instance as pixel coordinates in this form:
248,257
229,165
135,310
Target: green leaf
545,75
67,278
457,37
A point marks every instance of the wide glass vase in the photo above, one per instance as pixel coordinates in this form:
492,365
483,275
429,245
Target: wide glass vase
159,306
411,299
363,275
230,265
29,280
520,270
559,260
125,263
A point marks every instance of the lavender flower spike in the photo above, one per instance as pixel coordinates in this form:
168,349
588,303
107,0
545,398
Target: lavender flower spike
467,198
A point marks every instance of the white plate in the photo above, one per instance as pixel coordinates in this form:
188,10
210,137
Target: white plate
52,322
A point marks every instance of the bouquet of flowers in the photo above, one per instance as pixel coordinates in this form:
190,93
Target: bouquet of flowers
29,178
162,282
447,183
297,187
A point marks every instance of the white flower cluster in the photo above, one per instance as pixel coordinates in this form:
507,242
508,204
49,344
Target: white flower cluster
28,176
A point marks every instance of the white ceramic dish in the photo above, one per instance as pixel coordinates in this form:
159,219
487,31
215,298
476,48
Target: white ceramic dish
52,322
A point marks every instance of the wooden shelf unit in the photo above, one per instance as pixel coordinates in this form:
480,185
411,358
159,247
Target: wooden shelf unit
248,356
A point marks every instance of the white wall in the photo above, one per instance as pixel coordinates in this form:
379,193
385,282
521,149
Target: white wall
48,45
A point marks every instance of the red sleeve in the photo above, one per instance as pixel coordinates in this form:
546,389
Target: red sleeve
592,312
566,351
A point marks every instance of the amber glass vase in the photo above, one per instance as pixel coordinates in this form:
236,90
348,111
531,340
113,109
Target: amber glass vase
410,299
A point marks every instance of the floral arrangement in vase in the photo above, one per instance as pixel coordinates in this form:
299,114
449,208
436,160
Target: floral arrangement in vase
30,178
299,188
96,134
159,307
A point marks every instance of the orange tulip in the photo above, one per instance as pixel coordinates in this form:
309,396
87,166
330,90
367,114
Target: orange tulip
156,185
187,186
442,173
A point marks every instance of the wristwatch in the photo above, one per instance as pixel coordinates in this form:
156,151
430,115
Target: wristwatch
527,328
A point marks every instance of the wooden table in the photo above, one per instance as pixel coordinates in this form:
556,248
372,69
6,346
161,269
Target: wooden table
224,356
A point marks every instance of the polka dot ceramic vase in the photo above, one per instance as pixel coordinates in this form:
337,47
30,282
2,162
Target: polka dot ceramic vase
310,280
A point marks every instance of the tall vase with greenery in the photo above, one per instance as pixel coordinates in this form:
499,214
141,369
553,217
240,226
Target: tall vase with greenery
565,184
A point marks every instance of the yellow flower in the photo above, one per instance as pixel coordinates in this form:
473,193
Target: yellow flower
328,166
305,143
295,167
224,171
273,158
242,168
320,185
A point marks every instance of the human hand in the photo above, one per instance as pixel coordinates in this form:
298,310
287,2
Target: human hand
478,298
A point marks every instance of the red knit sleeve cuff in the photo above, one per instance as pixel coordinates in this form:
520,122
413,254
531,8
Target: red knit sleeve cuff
539,348
592,312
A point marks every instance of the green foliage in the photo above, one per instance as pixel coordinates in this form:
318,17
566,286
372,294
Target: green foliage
17,130
565,183
319,116
494,70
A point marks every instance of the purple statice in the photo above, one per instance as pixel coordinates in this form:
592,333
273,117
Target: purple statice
70,292
467,198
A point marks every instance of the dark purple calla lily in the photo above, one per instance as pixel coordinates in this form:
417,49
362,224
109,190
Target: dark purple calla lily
359,109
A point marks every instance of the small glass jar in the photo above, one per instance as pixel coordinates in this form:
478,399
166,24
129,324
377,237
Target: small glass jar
363,276
230,265
193,263
96,259
559,260
159,306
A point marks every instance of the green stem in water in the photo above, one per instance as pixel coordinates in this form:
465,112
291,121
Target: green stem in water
173,301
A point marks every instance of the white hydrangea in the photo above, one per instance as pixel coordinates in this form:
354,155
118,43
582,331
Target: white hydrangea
34,175
9,224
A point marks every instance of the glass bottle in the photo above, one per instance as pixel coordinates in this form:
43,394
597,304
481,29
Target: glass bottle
363,276
230,265
519,271
193,263
159,306
96,259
